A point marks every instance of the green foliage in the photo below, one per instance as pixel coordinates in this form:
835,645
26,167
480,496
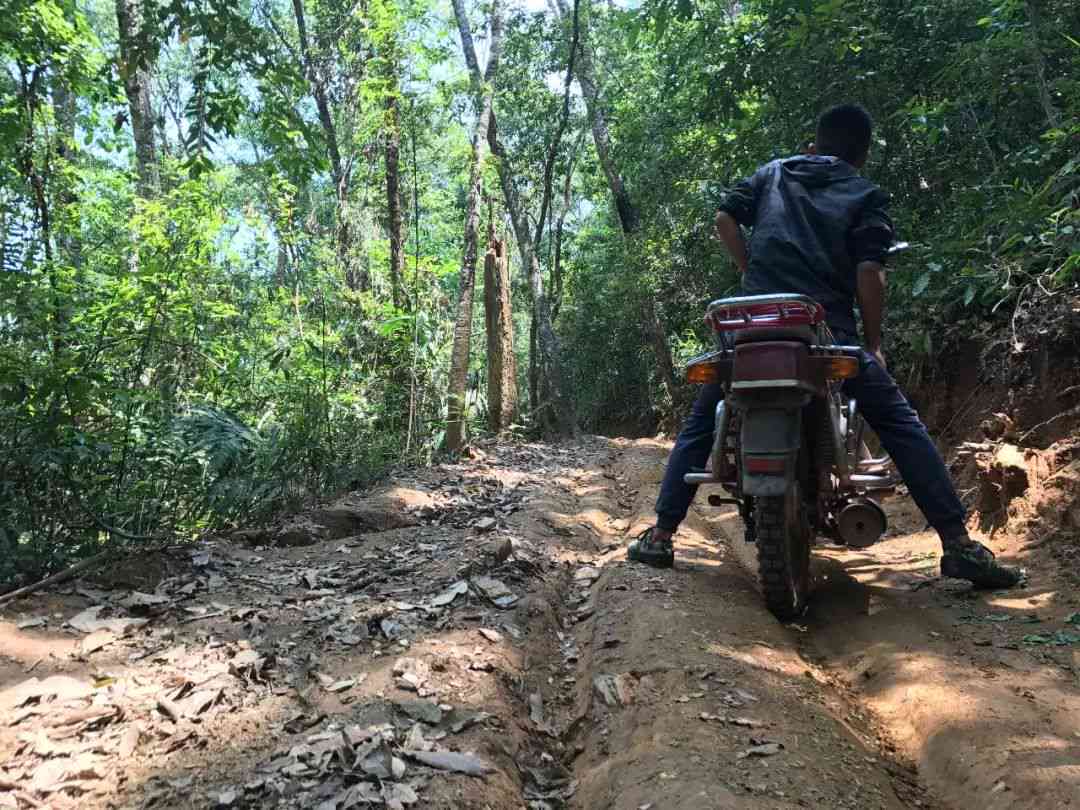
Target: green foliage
978,115
224,348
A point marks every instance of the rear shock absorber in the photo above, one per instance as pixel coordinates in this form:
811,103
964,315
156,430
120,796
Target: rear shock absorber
746,512
826,450
746,502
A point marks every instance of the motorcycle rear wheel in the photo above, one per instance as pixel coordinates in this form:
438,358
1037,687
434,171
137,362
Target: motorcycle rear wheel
783,548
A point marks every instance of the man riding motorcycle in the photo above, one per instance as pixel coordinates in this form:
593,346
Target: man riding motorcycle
820,229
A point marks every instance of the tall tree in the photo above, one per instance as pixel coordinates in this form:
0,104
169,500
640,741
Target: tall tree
627,210
483,89
317,65
629,217
136,49
64,107
498,317
392,135
552,406
551,403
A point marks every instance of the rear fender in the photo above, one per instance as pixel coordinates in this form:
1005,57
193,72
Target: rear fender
770,440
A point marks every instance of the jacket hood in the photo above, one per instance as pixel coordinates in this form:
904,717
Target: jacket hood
817,170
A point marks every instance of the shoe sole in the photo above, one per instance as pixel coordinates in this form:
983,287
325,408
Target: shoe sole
655,560
980,579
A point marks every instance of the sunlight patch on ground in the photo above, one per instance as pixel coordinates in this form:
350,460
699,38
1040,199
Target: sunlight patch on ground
27,649
1026,602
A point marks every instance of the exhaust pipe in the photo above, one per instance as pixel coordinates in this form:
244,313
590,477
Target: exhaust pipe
861,523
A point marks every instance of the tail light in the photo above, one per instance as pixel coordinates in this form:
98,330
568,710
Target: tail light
838,367
714,367
703,373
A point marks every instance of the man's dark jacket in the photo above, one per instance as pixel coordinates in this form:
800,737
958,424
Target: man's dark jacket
814,219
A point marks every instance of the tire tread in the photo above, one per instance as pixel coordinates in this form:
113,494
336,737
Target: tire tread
772,559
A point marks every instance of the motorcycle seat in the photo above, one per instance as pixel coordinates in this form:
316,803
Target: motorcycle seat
756,334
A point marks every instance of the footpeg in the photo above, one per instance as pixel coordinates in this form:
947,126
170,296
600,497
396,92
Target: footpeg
718,500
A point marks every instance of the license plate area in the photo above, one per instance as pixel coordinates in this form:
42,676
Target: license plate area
777,364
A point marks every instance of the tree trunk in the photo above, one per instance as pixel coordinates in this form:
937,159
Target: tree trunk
556,267
662,350
135,72
1038,59
556,414
67,239
559,417
459,353
340,173
502,365
629,218
395,220
535,396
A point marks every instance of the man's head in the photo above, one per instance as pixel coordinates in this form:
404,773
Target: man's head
844,132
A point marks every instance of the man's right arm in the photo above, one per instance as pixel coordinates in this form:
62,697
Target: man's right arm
731,235
871,292
738,207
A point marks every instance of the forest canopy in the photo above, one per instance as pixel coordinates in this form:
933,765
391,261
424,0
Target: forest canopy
240,242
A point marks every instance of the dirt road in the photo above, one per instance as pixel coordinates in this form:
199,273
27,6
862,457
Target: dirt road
473,638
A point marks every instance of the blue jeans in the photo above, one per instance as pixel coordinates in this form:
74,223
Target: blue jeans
886,410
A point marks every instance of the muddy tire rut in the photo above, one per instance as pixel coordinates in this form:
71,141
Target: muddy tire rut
488,646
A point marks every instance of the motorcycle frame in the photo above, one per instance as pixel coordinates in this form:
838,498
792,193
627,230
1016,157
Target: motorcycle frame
762,417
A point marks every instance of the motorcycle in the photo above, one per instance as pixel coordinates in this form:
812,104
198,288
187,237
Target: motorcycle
788,446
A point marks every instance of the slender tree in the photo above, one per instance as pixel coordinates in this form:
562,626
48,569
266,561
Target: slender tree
316,71
392,135
483,91
629,216
551,403
135,68
498,316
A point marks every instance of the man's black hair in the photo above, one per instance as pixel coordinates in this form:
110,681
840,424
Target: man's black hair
844,132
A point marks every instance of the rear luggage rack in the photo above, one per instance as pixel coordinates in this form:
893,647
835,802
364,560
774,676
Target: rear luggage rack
755,311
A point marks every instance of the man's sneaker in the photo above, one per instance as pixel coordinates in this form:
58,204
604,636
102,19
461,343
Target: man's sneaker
973,561
655,552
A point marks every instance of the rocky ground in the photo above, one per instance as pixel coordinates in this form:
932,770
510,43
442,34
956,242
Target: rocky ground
470,636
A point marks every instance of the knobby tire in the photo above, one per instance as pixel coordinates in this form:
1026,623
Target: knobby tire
783,555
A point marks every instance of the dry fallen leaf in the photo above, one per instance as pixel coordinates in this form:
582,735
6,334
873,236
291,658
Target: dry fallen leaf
763,749
491,635
60,688
97,640
169,709
89,621
129,741
459,588
469,764
495,590
138,602
398,796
